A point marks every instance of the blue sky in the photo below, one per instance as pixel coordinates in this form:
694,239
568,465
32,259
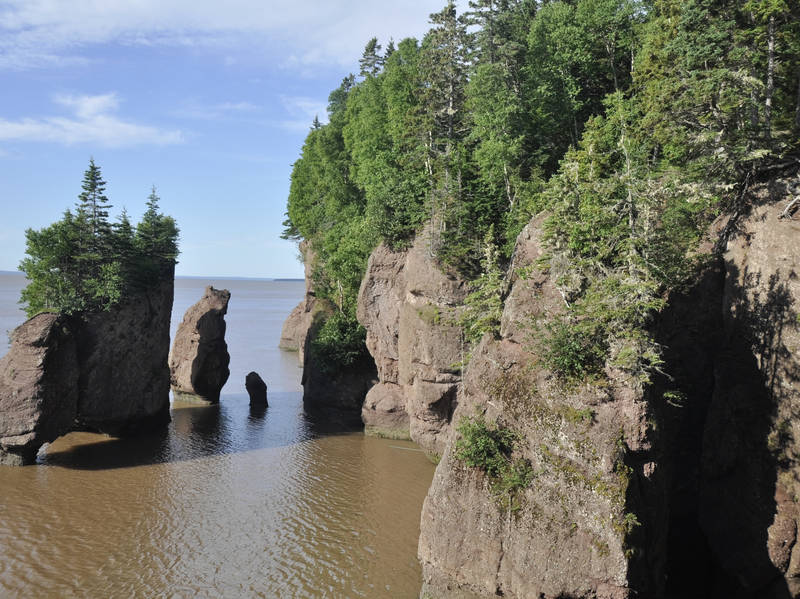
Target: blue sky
208,101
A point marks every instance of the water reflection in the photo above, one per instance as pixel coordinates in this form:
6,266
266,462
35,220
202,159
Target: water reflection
224,502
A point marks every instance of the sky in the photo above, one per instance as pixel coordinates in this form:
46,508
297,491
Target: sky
209,101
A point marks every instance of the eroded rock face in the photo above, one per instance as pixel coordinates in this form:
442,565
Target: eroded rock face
199,359
38,387
335,395
104,372
590,449
122,355
407,306
296,326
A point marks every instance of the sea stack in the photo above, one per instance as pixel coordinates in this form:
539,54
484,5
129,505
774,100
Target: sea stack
257,389
199,360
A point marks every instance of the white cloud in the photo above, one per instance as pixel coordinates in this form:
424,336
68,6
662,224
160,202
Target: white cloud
91,122
302,111
198,110
44,32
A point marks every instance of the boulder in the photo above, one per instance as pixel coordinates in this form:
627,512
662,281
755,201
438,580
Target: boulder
199,360
256,388
384,412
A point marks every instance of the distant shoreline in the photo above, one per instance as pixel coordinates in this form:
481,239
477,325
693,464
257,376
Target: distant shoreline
279,280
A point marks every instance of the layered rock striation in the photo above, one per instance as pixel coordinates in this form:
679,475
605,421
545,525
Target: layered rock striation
684,488
198,363
104,372
408,307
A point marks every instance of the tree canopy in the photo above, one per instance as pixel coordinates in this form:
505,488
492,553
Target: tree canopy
631,122
84,262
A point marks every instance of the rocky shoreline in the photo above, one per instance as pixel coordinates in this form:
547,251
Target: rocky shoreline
685,488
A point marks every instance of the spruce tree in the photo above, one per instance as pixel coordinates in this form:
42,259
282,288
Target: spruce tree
95,205
371,61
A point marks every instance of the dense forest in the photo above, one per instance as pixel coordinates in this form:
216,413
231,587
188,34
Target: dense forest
85,263
632,124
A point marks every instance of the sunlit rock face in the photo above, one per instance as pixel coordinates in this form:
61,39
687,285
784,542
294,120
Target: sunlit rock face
199,359
408,307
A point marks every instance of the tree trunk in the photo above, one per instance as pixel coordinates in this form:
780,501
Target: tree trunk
770,78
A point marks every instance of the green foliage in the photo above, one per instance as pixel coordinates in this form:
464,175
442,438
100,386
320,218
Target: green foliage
573,350
489,448
338,343
632,124
82,263
483,307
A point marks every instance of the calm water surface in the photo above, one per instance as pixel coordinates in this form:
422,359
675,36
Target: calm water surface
225,502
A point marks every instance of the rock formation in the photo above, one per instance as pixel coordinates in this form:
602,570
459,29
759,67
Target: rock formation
590,453
104,372
199,359
38,387
256,389
685,488
407,306
751,445
339,395
123,356
707,507
296,327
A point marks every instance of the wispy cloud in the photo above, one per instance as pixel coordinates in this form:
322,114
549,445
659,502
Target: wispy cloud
218,111
301,111
92,121
35,33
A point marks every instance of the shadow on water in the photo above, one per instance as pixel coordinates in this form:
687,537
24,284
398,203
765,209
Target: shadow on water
199,431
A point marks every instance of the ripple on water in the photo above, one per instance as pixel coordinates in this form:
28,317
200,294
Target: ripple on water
222,503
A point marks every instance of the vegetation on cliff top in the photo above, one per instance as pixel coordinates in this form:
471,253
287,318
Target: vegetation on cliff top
85,263
632,123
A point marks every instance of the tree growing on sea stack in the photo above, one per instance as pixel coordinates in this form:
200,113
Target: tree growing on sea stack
82,263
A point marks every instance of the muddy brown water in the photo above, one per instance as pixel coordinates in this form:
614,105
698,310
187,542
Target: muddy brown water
225,502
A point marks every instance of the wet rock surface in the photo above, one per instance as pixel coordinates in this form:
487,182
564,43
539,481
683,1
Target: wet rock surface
199,359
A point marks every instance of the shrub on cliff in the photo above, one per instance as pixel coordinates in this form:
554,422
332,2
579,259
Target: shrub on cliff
84,263
337,342
489,448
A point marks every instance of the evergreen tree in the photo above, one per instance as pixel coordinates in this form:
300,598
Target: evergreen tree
371,61
82,263
444,66
93,203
